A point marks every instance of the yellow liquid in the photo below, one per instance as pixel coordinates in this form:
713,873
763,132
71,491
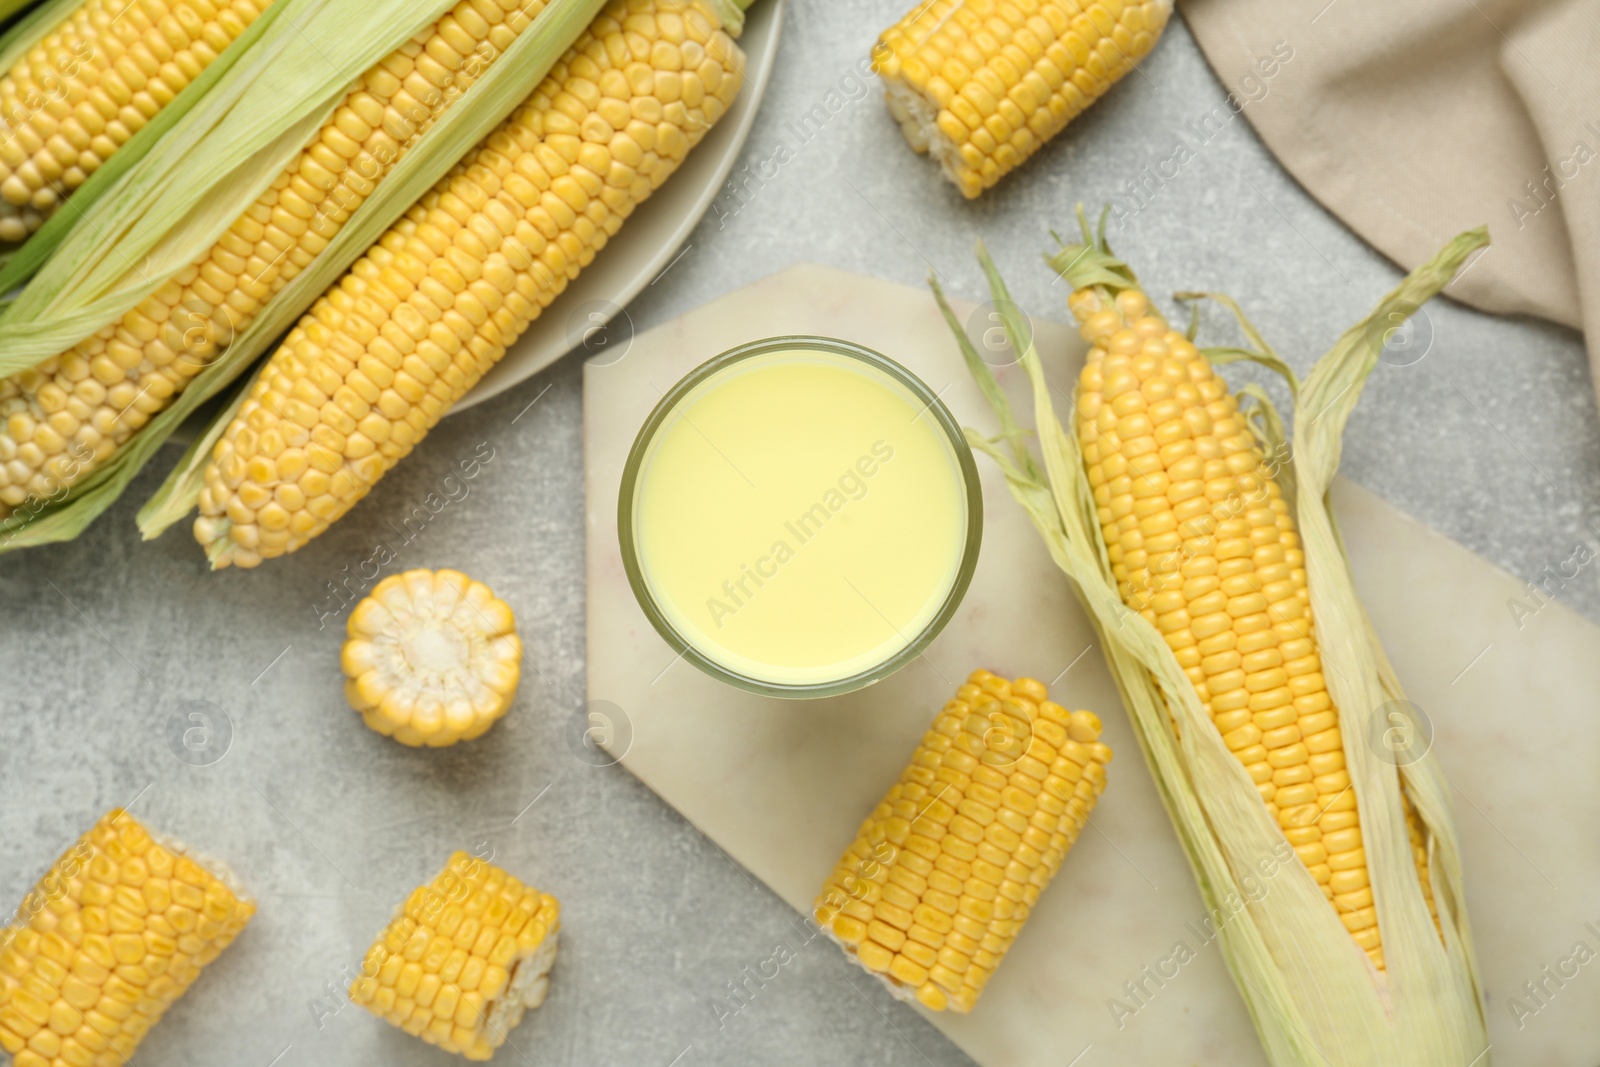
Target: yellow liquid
800,518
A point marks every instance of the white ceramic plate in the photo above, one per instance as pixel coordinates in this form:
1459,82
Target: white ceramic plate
650,239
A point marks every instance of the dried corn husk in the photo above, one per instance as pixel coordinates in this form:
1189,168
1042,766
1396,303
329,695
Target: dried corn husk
1312,994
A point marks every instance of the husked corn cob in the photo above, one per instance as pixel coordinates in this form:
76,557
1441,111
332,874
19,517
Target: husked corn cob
416,322
983,84
107,942
62,418
432,658
1204,546
945,871
466,956
92,83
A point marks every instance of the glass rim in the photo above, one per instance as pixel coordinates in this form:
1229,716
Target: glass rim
932,405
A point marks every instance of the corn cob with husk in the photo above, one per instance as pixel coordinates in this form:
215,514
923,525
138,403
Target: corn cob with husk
431,658
1184,543
416,323
84,88
109,939
983,84
464,959
942,875
299,171
109,385
1203,547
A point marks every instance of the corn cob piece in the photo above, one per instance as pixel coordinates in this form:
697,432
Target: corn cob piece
92,83
432,658
1204,546
414,324
108,941
983,84
62,418
947,868
463,960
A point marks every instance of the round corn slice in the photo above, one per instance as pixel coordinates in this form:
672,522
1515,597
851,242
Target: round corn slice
432,658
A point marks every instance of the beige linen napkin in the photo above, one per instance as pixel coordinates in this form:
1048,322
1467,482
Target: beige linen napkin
1413,121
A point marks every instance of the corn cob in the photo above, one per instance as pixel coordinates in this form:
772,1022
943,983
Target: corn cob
463,960
945,871
378,361
60,419
1204,546
108,941
432,658
92,83
983,84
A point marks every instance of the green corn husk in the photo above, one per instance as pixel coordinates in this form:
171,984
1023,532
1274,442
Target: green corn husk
10,9
23,261
1313,996
158,219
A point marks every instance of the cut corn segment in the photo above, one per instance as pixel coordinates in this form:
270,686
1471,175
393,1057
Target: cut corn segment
416,322
947,868
983,84
1204,546
465,957
432,658
62,418
92,83
107,941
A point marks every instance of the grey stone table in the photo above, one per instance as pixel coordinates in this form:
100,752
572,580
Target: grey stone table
1491,438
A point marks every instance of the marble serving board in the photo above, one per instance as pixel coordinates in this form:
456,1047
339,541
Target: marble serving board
781,786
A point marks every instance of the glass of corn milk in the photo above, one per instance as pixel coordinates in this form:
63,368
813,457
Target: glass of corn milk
800,516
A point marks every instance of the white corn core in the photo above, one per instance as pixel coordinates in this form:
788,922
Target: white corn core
919,122
529,984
